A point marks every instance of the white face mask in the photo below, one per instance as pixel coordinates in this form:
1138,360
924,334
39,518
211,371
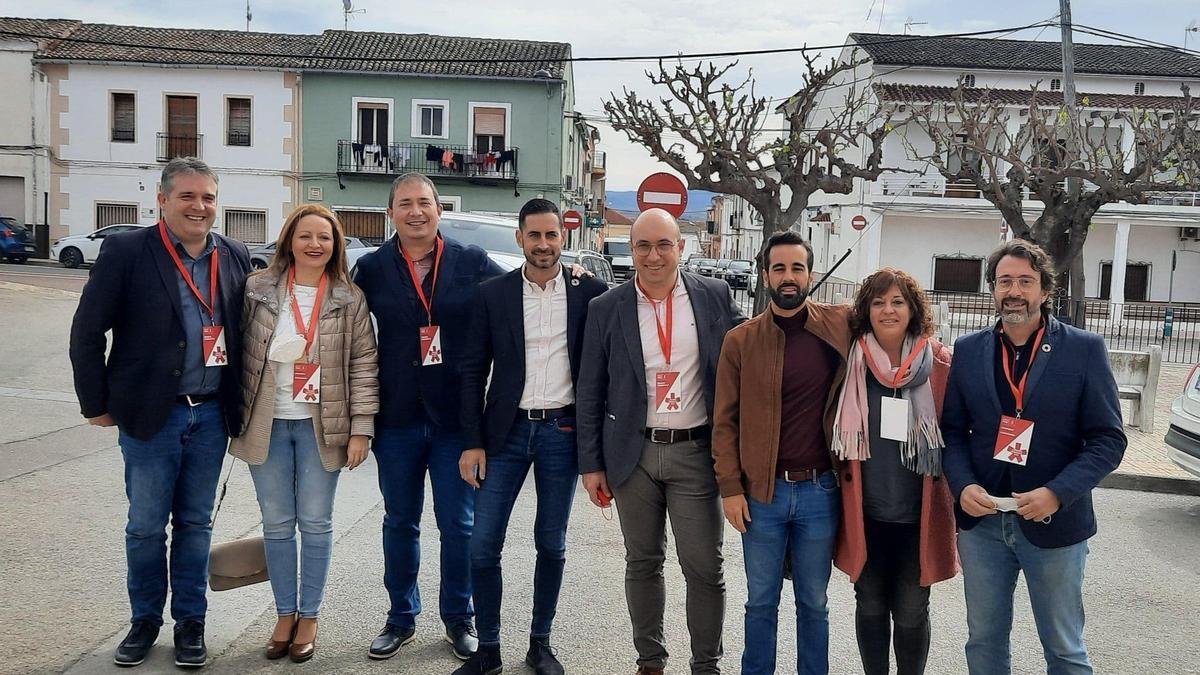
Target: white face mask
286,349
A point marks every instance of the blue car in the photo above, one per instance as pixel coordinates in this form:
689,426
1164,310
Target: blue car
15,243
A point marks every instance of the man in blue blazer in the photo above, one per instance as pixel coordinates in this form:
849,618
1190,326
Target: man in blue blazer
172,296
645,403
423,290
1032,425
528,332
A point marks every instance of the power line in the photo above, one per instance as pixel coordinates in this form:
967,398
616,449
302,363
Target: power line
1131,39
571,59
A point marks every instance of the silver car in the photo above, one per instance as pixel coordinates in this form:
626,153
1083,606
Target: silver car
1183,436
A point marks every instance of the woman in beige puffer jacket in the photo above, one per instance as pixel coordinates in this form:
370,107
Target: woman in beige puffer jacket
297,442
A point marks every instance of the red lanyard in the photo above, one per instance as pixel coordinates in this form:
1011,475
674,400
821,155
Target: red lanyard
309,332
664,335
212,273
1018,389
895,383
427,303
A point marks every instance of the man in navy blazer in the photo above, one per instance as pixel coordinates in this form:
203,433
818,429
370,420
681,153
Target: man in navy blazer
528,332
423,290
1025,492
645,402
171,386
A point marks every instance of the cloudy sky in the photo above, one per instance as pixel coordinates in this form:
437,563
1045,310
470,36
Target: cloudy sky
624,27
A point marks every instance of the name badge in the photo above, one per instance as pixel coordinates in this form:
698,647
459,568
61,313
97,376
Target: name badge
213,343
1014,440
894,418
668,392
306,382
431,345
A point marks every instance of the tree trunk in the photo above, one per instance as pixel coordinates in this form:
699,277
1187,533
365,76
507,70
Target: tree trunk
772,223
1078,303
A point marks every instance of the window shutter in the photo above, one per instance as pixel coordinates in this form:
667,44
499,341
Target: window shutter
489,121
123,117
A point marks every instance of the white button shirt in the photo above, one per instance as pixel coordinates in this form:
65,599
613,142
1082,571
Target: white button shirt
685,358
547,361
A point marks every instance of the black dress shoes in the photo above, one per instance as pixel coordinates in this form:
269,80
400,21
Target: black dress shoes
190,651
485,661
390,640
542,659
133,649
463,639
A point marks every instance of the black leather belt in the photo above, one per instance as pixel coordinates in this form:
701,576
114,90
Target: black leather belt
195,399
798,475
668,436
547,414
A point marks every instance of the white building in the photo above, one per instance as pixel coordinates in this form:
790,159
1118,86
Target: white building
117,114
738,226
942,234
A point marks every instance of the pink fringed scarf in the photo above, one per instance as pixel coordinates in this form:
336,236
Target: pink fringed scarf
922,452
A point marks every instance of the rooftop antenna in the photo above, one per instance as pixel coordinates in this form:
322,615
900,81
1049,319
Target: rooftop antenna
1191,28
249,16
909,23
347,10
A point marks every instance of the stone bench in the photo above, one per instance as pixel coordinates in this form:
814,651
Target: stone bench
1136,374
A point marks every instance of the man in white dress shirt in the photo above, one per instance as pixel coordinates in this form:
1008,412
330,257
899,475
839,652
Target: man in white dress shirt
529,331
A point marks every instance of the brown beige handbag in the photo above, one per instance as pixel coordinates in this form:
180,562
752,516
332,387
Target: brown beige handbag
236,563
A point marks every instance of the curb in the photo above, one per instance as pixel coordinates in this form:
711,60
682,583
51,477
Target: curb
1159,484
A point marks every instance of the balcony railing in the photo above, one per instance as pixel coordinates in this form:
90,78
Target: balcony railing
598,164
449,161
171,146
936,187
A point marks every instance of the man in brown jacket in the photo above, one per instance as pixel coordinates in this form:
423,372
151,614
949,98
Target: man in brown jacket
776,393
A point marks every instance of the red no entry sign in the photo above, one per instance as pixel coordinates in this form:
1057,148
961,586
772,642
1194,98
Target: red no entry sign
572,219
858,222
663,191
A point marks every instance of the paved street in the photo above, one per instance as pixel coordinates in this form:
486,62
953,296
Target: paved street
62,558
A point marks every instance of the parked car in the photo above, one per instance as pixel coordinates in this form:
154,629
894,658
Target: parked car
16,245
261,256
703,266
1183,436
738,274
720,267
592,262
618,253
79,249
493,234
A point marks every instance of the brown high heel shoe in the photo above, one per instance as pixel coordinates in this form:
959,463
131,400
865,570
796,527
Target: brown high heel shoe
277,649
303,651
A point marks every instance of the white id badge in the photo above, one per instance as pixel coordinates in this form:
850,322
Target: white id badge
894,418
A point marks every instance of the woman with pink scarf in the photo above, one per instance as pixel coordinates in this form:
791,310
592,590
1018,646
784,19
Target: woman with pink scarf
897,534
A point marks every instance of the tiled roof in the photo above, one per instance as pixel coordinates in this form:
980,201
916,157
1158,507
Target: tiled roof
1028,55
184,46
912,93
372,52
45,29
615,217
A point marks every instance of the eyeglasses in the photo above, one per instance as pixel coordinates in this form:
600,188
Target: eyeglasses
1024,283
663,248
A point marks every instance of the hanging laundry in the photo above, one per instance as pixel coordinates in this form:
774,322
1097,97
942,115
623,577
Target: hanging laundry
489,161
433,153
399,155
448,159
506,157
458,163
357,150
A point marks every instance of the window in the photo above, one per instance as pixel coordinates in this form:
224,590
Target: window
430,118
182,138
957,274
961,156
249,227
489,123
370,226
1137,282
124,118
108,213
1056,84
373,123
1139,88
968,80
237,121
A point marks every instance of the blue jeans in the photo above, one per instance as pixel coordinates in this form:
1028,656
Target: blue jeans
294,489
993,553
173,476
800,522
404,455
550,448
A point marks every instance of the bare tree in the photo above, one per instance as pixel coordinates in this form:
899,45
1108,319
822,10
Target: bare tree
723,122
1016,152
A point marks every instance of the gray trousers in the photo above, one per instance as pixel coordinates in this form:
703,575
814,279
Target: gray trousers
676,479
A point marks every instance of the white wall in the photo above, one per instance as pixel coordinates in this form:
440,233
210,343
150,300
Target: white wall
23,111
1148,244
102,171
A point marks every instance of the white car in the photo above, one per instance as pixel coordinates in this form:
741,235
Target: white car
78,249
493,234
1183,436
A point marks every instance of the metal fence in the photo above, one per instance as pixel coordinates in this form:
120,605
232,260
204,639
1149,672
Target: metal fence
1133,326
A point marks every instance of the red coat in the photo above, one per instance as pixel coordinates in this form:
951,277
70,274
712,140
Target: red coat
939,557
